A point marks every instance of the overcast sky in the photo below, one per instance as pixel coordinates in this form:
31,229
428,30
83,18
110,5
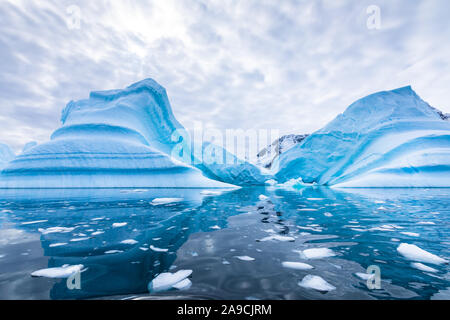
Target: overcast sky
286,65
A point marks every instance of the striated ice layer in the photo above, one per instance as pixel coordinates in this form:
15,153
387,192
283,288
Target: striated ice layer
388,139
117,138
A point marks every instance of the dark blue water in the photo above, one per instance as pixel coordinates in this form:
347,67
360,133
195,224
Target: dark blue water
363,227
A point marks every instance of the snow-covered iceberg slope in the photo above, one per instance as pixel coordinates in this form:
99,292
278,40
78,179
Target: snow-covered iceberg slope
116,138
388,139
6,155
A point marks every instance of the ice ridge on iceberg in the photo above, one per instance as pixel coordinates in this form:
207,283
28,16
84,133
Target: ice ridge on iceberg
116,138
387,139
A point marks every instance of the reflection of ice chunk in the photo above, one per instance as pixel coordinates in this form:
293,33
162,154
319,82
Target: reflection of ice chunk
160,201
166,281
316,253
297,265
423,267
413,252
61,272
316,283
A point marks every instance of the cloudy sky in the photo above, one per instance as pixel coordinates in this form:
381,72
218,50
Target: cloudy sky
250,64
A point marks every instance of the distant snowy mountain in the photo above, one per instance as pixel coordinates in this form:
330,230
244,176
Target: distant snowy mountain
266,156
388,139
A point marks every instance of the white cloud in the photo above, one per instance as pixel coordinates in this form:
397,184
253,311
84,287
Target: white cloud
287,65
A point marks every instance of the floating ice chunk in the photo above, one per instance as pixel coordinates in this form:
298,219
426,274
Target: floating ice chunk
328,214
166,281
55,230
143,249
411,234
215,227
158,249
297,265
315,199
79,239
316,253
263,197
426,222
119,224
161,201
210,193
60,244
58,273
245,258
423,267
278,238
96,233
365,276
413,252
113,251
316,283
129,241
33,222
183,284
307,209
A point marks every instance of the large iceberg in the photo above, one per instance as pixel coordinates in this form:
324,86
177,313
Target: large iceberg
6,155
117,138
388,139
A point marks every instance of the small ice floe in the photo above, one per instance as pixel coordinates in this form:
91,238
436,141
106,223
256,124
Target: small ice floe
307,209
6,211
422,267
413,252
166,281
245,258
58,273
215,227
263,197
328,214
158,249
365,276
316,283
97,219
143,249
55,230
225,262
113,251
129,241
210,193
79,239
315,199
395,240
96,233
277,237
161,201
60,244
426,223
411,234
297,265
119,224
316,253
379,202
33,222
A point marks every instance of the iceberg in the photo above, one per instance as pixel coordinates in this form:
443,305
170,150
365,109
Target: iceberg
116,138
6,155
388,139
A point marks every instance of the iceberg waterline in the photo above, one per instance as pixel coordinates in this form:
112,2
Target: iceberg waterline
130,139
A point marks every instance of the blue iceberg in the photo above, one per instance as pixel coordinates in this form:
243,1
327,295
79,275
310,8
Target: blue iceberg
116,138
388,139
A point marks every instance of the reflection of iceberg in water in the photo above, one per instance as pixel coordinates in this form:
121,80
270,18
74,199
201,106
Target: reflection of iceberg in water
97,234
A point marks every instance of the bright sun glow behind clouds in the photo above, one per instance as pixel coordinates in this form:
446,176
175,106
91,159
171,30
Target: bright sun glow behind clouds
289,65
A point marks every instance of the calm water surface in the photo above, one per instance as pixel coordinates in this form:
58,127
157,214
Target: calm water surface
206,233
